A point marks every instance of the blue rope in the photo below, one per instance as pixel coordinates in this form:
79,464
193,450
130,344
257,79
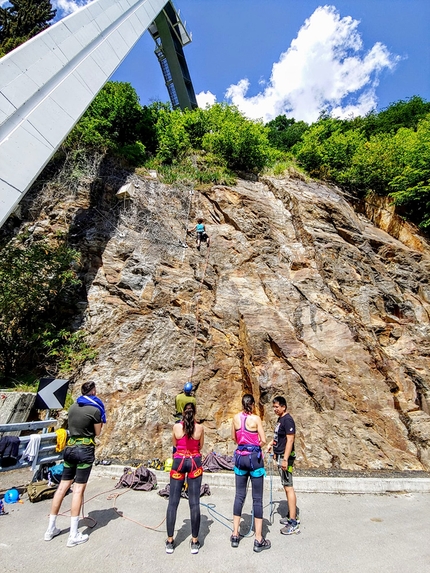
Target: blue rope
211,509
271,502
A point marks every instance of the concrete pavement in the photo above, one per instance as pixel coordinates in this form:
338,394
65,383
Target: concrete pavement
342,533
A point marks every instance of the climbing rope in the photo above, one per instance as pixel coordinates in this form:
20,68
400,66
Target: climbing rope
193,355
211,509
113,496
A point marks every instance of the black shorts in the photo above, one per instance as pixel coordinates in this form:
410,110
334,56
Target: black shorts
78,461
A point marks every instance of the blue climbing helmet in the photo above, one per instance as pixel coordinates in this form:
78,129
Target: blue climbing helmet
188,388
11,496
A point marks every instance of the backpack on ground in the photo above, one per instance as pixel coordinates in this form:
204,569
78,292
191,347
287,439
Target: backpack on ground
40,490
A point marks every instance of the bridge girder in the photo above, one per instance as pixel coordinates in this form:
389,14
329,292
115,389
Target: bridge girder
47,83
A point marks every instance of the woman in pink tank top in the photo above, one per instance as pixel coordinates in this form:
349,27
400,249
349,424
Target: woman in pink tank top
247,431
188,439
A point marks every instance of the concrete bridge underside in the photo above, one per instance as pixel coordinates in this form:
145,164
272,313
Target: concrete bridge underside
47,83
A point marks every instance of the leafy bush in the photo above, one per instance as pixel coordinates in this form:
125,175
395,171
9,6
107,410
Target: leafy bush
220,130
242,143
285,132
70,349
172,138
411,184
114,119
404,113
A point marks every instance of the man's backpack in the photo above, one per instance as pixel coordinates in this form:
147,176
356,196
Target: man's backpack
40,490
139,478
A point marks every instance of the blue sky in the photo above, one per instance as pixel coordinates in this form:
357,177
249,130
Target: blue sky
293,56
236,40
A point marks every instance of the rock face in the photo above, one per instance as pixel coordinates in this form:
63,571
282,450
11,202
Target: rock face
299,295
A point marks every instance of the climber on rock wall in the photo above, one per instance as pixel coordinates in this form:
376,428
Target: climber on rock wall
201,233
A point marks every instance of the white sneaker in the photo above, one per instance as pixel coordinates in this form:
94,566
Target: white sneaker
50,534
77,539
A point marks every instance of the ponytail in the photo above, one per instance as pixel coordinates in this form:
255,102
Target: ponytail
248,403
188,419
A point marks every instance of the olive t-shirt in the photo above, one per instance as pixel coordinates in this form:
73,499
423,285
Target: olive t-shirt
182,400
82,420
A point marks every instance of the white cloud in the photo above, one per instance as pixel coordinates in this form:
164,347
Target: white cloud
324,65
205,99
66,7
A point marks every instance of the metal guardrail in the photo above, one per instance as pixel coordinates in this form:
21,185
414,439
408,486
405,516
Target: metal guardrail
20,426
48,444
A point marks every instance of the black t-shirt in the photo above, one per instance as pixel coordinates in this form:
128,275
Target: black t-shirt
82,419
284,426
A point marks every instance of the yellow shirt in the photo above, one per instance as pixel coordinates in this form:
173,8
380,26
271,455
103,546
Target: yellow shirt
182,400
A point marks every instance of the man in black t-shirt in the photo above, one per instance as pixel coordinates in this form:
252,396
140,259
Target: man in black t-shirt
284,455
85,421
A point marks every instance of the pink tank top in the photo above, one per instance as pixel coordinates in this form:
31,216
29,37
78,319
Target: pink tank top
186,446
246,437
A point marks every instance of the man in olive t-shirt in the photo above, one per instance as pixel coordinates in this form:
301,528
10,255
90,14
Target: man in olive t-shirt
85,420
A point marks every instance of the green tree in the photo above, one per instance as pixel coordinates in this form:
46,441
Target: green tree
113,119
242,143
404,113
411,185
285,132
22,20
220,130
37,282
172,137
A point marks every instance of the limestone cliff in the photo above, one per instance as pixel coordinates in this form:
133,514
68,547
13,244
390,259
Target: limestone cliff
299,295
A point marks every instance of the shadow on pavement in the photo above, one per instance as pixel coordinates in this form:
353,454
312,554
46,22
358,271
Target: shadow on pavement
101,518
185,531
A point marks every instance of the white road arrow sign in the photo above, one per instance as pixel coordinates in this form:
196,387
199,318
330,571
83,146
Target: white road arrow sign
48,396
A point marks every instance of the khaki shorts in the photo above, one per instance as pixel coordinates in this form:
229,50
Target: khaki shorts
285,475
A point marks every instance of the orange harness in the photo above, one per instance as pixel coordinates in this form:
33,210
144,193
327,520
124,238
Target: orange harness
196,470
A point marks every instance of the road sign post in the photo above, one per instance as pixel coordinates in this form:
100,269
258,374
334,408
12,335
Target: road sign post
51,394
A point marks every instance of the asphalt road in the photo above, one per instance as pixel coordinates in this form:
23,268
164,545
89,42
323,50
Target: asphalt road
340,533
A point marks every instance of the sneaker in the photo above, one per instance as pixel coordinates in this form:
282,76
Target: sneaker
290,529
234,540
261,545
195,546
169,547
51,534
77,539
287,520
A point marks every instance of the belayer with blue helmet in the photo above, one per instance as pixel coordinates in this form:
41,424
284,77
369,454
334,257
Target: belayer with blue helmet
184,398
